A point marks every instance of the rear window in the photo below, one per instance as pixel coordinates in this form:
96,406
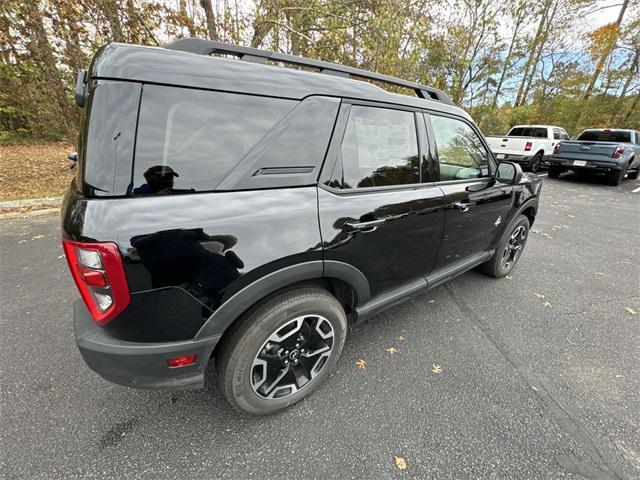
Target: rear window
603,136
528,132
188,140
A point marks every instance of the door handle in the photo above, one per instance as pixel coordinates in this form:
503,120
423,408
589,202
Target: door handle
370,226
463,206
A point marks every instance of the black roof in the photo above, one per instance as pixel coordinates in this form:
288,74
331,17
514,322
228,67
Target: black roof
169,66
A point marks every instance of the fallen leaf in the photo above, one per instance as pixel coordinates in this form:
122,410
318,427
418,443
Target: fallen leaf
392,350
401,338
619,376
599,273
631,310
431,301
401,463
360,363
37,237
570,216
534,388
539,295
534,230
508,277
60,256
436,368
547,304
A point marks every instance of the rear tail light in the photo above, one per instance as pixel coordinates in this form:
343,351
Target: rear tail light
527,147
183,361
618,152
99,275
556,149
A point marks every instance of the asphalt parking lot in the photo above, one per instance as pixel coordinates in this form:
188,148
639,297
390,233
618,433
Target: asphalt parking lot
539,374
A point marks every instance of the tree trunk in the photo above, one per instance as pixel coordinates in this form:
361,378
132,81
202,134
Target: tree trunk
506,65
110,10
212,30
605,55
528,64
632,72
44,57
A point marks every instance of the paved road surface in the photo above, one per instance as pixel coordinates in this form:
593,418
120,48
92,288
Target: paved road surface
526,391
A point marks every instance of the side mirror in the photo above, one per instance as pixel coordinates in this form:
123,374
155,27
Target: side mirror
508,172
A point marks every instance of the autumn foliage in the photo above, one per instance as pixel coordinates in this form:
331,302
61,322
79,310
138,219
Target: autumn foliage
506,61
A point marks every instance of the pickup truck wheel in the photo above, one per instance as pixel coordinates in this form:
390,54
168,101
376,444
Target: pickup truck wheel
281,350
535,163
509,249
554,172
616,177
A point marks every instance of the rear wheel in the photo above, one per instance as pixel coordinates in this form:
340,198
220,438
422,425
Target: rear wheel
282,350
554,171
509,249
535,163
616,177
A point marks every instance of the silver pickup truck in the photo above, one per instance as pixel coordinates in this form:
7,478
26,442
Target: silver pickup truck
613,152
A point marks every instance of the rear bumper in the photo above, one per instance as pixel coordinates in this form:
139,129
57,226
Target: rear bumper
590,166
141,365
524,160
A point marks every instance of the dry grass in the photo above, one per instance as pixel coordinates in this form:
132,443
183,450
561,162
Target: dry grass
34,170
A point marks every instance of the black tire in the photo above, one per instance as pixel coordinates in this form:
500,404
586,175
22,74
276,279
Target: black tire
616,177
633,175
497,267
535,163
554,172
251,338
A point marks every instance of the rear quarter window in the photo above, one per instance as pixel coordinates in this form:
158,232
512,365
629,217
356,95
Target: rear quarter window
188,140
105,155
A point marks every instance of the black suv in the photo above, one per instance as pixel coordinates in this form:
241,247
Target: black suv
235,209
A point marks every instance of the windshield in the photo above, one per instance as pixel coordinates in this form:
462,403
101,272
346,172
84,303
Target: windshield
537,132
605,136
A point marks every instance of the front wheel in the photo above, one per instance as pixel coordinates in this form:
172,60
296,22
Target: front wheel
509,249
282,350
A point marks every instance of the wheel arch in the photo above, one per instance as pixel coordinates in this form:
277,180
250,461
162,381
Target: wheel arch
345,282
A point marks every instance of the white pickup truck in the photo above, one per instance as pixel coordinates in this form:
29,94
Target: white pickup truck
529,145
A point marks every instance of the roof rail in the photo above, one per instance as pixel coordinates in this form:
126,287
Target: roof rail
207,47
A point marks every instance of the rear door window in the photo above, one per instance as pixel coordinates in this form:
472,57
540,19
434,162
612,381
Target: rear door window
188,140
379,148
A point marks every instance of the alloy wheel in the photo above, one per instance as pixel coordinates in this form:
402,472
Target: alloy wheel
514,246
292,357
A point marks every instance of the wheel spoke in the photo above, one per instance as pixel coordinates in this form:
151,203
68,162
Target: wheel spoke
292,356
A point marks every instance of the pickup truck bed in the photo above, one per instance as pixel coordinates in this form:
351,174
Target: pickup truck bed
614,156
528,145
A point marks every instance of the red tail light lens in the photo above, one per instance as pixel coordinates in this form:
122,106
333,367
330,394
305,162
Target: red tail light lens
183,361
527,147
99,275
556,149
618,152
